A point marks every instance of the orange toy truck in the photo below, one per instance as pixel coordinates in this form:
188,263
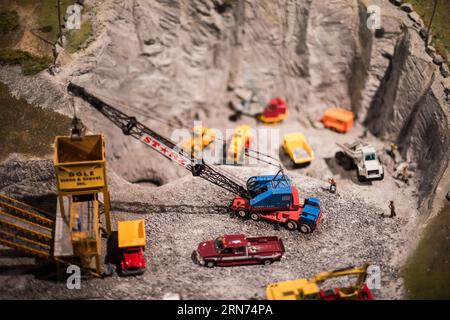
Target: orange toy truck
338,119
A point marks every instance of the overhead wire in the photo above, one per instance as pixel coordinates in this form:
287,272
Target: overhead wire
161,119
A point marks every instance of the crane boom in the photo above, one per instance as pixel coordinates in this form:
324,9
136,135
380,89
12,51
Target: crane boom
131,126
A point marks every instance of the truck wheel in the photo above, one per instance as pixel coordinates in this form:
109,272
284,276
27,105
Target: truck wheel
254,216
304,228
291,225
382,176
210,264
347,163
361,178
339,156
267,262
242,213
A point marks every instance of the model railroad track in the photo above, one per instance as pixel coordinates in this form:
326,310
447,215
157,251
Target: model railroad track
25,228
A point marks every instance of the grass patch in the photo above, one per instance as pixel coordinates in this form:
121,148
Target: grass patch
30,63
77,38
48,17
26,129
427,271
440,27
9,21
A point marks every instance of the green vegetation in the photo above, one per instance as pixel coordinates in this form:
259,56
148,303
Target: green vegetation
77,38
427,272
48,17
9,21
31,64
440,27
26,129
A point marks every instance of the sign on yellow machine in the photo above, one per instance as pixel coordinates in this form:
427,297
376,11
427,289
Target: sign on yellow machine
80,164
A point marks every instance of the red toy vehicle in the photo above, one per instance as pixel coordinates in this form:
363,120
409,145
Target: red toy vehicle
131,246
275,198
275,111
236,250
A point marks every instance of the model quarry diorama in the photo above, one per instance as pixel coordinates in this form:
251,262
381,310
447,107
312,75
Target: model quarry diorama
224,149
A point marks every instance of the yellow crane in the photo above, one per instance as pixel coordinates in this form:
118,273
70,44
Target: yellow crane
302,289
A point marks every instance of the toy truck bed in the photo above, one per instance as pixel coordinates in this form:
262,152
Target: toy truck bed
131,233
297,148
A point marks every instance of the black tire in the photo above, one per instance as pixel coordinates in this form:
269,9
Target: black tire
304,228
242,213
267,262
255,216
361,178
210,264
347,163
382,177
291,225
339,156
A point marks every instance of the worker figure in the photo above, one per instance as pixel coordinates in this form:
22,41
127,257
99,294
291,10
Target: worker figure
333,185
405,174
394,149
392,207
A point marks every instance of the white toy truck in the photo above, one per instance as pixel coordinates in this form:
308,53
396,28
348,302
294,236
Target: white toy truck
362,156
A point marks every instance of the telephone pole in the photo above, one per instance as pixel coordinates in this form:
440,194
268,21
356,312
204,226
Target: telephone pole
58,4
431,21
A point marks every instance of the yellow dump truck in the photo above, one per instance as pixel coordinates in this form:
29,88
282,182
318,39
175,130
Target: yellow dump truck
201,138
80,167
298,149
240,141
132,240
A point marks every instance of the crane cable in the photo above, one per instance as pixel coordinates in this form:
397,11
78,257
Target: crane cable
166,122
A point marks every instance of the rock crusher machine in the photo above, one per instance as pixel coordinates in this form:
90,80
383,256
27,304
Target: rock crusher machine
80,168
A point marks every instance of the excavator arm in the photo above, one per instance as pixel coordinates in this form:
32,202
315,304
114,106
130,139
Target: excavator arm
351,291
131,126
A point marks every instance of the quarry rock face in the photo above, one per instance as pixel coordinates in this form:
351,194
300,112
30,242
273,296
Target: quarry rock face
168,57
188,59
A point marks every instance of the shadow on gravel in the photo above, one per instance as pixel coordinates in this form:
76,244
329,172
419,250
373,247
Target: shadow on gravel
350,175
146,208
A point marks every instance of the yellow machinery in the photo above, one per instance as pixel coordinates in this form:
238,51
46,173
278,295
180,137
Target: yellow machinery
26,228
80,167
309,288
131,233
201,138
297,148
240,141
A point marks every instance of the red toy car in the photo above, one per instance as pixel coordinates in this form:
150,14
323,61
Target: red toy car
236,250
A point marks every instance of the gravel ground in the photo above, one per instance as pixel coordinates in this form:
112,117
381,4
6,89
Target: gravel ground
181,214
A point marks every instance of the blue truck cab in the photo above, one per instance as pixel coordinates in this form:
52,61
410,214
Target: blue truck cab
310,214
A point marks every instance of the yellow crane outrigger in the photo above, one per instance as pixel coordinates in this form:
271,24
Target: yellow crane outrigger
302,289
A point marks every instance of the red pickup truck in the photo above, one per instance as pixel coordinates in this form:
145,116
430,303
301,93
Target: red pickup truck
235,250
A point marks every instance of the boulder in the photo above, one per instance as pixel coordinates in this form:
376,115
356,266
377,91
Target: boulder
396,2
446,84
414,16
431,51
438,59
407,7
444,70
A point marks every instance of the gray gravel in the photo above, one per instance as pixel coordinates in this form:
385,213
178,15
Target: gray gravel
181,214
